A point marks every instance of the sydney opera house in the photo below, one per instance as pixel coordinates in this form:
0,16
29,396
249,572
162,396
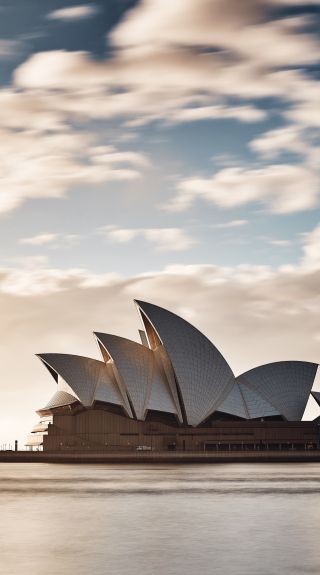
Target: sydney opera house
174,391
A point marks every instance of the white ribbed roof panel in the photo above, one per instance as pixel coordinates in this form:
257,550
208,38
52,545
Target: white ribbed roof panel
63,386
141,375
107,389
234,404
59,399
286,385
160,397
134,363
256,405
83,375
164,365
203,375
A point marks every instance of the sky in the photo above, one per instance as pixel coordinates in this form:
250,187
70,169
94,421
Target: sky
164,150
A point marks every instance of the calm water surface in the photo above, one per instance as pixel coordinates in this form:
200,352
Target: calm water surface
159,520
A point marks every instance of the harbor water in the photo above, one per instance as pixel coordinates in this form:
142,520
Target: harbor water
221,519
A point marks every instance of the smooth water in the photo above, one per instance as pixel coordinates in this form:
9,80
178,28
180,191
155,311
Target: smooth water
228,519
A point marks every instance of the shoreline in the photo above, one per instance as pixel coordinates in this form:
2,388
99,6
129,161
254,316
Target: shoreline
160,457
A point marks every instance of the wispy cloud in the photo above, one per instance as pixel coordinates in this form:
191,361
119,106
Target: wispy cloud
164,239
39,240
247,114
48,166
80,12
280,243
31,268
311,248
53,240
280,188
9,48
288,139
231,224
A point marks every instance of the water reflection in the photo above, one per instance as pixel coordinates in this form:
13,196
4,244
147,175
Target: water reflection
132,519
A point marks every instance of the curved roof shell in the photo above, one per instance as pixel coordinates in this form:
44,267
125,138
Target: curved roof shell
59,399
243,401
84,376
256,405
285,385
164,367
202,374
160,398
234,403
139,375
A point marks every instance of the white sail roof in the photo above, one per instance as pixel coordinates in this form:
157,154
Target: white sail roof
202,374
234,403
84,376
285,385
139,374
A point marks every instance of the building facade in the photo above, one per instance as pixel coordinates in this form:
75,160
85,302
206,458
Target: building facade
172,391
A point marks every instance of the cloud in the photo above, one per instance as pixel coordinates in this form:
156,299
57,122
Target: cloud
9,48
157,84
280,243
29,111
187,70
80,87
307,113
80,12
153,24
51,240
252,51
274,142
171,62
242,113
311,258
164,239
110,155
254,314
39,240
48,166
157,70
232,224
68,70
120,235
34,278
280,188
169,239
248,32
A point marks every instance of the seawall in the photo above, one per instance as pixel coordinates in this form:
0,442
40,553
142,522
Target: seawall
160,457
